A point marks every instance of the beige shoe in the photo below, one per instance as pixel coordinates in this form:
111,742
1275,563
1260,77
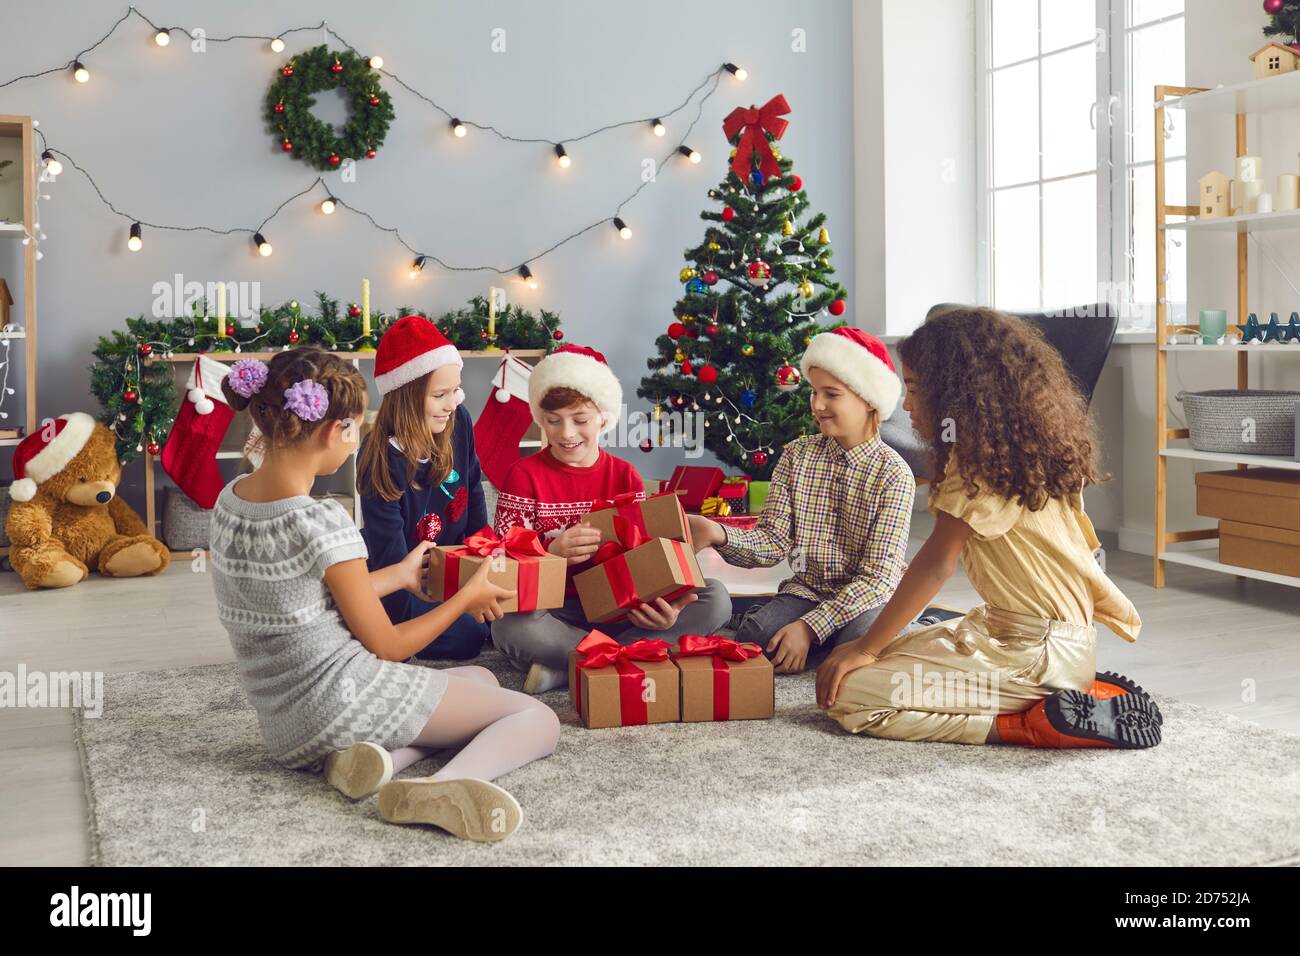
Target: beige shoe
468,808
360,770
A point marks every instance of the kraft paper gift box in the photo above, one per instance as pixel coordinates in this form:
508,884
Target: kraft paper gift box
616,685
658,516
1262,496
525,567
723,679
694,483
630,571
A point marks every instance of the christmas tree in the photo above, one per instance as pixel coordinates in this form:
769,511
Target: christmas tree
754,289
1283,21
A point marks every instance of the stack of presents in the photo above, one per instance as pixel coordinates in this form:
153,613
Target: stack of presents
1259,516
646,554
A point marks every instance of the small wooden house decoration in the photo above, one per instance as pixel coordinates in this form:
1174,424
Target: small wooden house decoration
1213,201
1274,58
6,300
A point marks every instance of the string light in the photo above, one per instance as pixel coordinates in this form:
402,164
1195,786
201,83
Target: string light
657,125
277,45
561,156
692,154
263,247
135,242
328,205
417,266
376,62
622,228
162,37
526,274
51,164
79,72
458,128
739,72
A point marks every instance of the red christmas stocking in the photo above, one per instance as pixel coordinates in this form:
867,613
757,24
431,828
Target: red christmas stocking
504,420
190,455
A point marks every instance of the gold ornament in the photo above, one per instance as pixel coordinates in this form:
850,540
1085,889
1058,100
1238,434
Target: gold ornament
732,154
776,153
806,289
807,340
747,350
687,273
824,237
713,247
788,228
680,356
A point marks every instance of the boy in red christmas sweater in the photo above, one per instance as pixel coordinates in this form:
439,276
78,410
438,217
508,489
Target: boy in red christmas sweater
575,398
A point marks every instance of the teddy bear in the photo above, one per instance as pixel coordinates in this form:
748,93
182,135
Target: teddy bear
66,517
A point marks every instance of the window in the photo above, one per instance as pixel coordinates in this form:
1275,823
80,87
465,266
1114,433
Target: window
1067,153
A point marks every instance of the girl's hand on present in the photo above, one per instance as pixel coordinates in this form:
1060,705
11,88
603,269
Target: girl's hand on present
483,599
661,615
576,544
839,664
705,533
789,647
415,569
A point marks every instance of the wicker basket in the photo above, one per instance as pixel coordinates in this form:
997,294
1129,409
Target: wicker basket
1216,420
185,524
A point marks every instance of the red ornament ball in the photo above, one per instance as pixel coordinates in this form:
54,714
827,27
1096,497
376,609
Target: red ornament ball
728,214
483,335
279,107
1273,6
429,528
557,335
836,307
336,67
374,101
796,184
293,335
153,448
759,458
286,146
129,395
370,154
686,367
709,278
646,446
287,71
708,374
711,329
145,349
676,330
354,310
230,329
334,159
788,378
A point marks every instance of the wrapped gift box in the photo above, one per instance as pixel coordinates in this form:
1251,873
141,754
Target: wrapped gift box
521,564
615,685
1261,496
659,516
735,492
630,571
1260,547
724,680
694,483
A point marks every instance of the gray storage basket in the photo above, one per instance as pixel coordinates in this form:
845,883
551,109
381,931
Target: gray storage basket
1216,420
185,524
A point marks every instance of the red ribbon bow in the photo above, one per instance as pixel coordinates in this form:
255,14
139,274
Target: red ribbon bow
626,537
600,650
721,650
521,544
755,123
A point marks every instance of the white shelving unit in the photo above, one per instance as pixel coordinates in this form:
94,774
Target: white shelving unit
1256,96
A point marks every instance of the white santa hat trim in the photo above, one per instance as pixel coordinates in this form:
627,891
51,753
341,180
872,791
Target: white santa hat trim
583,373
422,364
861,362
55,456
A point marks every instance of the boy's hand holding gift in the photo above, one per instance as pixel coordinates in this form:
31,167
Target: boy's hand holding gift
576,544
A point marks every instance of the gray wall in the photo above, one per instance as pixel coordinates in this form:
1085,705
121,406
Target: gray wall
173,136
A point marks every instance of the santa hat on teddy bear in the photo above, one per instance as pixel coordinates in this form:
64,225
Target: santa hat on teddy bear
411,348
586,372
861,362
45,453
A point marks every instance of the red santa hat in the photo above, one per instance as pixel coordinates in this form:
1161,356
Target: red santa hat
410,349
42,455
585,371
861,362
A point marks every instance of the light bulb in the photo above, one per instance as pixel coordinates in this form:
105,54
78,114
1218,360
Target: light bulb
277,45
416,267
527,275
458,128
53,165
162,38
376,62
135,242
622,228
327,206
739,72
692,154
80,73
561,156
263,247
658,126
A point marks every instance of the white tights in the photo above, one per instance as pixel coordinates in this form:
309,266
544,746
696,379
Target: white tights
496,729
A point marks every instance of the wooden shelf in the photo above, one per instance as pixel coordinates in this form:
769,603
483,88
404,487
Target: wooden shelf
10,442
1197,560
1285,348
1254,461
1254,96
1247,222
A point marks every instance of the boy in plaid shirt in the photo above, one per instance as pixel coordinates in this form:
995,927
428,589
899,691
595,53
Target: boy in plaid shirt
839,507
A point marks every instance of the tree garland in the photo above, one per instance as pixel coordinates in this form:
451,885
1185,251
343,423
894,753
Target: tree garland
137,394
299,133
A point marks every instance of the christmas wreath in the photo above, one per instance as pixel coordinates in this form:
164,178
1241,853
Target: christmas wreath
290,99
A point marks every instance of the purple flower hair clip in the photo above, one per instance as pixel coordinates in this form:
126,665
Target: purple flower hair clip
307,399
247,376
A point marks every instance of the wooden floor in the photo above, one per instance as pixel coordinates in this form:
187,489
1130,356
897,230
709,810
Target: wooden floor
1211,639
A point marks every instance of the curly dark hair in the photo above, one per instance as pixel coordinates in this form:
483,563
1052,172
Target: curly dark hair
1015,414
345,386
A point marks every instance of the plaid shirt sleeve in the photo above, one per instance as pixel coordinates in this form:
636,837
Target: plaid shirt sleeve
882,562
769,542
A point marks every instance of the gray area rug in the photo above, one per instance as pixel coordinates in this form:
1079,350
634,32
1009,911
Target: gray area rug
175,774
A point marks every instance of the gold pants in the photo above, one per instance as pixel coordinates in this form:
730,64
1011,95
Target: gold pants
949,681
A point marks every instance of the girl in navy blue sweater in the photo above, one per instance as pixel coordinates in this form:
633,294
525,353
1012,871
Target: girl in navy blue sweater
417,472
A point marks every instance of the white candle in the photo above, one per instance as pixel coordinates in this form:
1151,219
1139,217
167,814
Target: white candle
365,306
1288,192
1244,194
221,309
1263,203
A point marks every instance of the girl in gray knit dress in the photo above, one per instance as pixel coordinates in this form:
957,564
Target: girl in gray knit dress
318,657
